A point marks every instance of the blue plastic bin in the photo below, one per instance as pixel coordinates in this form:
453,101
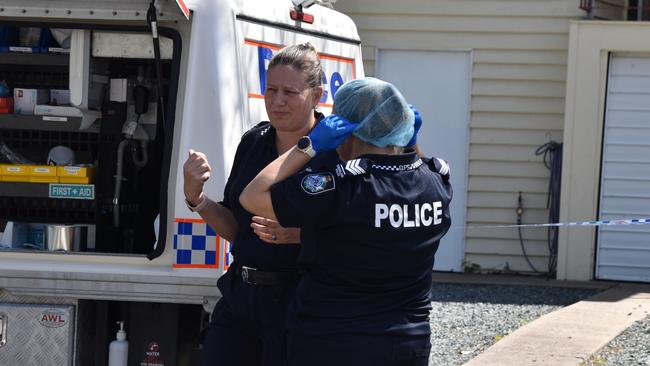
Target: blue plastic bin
46,41
8,37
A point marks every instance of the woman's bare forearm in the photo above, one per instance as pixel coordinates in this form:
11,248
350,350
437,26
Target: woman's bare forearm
220,219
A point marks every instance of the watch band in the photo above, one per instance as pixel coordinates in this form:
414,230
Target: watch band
309,151
203,203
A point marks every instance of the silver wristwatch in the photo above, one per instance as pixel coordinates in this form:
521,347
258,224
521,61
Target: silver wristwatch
304,145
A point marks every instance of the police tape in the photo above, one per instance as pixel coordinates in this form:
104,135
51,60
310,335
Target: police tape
622,222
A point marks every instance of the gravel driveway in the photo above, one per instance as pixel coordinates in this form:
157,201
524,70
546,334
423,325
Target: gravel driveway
630,348
467,319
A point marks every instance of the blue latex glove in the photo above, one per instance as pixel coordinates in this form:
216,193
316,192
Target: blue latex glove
416,127
330,132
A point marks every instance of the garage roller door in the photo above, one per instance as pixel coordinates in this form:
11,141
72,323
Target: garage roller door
624,251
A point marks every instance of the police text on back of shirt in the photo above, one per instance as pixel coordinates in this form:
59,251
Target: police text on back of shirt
415,215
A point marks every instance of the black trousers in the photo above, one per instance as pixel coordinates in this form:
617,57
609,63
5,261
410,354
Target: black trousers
248,325
358,350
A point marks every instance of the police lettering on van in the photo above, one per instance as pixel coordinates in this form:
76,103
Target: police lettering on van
336,70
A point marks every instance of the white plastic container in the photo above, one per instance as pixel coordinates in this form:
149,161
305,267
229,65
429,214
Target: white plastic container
25,100
118,350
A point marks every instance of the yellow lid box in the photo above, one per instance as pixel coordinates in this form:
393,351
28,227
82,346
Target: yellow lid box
14,173
14,169
75,171
73,180
43,174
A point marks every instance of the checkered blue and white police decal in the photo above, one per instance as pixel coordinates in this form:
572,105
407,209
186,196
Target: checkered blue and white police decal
196,245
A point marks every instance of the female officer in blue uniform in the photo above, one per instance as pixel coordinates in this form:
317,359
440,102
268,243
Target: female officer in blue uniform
248,323
371,224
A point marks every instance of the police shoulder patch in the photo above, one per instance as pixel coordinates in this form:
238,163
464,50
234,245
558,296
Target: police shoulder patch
317,183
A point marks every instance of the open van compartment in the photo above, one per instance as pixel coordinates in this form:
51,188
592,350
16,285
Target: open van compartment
100,115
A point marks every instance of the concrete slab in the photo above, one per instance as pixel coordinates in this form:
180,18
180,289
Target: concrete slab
570,335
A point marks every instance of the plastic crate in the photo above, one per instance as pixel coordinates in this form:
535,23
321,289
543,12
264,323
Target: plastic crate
75,174
6,105
43,174
8,37
10,41
14,173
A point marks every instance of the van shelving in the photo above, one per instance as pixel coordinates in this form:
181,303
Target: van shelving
35,144
33,122
25,70
28,189
46,59
47,210
33,135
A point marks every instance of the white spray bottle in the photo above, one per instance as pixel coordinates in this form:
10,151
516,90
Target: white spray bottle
118,350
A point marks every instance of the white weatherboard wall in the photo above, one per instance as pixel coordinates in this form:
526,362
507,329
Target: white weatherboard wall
623,252
519,58
443,94
592,43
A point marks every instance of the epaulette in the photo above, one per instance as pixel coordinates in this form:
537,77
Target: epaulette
353,167
259,129
441,167
263,127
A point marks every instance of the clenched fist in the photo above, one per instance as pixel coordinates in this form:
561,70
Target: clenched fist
196,171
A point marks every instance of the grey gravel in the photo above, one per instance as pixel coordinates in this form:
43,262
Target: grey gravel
630,348
467,319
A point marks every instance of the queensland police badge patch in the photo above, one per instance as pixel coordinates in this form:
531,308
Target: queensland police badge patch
318,183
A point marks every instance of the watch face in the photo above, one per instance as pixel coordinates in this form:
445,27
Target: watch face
304,142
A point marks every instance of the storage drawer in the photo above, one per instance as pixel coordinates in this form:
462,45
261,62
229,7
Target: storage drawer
43,174
14,173
75,174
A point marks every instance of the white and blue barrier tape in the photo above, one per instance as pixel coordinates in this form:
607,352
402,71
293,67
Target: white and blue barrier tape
622,222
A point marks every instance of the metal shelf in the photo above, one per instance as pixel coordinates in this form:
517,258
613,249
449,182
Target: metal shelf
24,122
48,59
30,202
24,189
20,189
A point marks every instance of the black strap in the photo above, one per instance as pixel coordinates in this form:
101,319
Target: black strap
152,19
254,276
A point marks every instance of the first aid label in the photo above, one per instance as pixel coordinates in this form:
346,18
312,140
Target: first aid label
72,191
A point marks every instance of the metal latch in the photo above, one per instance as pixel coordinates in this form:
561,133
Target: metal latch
3,329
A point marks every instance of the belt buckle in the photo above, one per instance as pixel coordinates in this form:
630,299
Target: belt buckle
244,273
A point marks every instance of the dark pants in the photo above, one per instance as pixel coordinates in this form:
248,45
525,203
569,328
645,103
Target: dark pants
357,350
248,325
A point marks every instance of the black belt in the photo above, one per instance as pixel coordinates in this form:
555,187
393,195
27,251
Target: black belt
254,276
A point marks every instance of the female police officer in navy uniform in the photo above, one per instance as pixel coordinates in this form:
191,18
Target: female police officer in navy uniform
248,323
371,224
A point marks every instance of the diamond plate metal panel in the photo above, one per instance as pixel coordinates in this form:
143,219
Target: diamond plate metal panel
37,335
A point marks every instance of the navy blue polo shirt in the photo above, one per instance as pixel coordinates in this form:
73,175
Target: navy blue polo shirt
256,150
370,229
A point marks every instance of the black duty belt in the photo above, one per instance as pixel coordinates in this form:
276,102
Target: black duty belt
254,276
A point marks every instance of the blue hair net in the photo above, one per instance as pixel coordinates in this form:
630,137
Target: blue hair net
381,111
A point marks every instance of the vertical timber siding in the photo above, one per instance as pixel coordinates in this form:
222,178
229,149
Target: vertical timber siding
518,89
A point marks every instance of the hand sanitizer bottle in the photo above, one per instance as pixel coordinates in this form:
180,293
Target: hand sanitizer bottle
118,351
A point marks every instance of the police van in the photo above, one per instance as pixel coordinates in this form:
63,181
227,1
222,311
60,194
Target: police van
99,103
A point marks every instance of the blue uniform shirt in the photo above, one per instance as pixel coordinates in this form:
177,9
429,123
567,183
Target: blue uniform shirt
255,151
370,229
